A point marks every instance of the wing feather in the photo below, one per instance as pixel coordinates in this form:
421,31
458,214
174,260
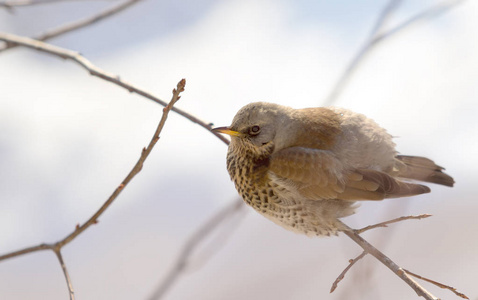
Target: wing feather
318,174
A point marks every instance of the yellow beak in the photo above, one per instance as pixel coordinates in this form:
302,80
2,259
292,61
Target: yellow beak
228,131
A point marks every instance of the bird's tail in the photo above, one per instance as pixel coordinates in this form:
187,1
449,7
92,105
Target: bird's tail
423,169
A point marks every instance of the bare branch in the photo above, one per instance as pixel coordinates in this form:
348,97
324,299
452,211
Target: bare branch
96,71
383,17
342,275
367,247
65,272
9,4
376,38
191,244
432,12
384,224
135,170
441,285
56,249
78,24
26,251
400,272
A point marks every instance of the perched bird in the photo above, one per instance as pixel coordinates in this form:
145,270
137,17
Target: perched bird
305,168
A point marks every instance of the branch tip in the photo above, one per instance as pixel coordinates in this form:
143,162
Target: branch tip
438,284
342,275
386,223
181,85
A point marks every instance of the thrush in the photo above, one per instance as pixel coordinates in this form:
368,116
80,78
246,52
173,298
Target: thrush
304,169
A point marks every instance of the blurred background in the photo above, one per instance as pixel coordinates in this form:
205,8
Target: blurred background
67,139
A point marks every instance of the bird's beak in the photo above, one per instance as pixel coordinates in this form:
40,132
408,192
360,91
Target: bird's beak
226,130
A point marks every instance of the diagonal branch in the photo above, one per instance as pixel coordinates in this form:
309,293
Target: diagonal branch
78,24
98,72
376,38
9,4
367,247
191,244
342,275
65,272
383,18
136,169
56,247
432,12
438,284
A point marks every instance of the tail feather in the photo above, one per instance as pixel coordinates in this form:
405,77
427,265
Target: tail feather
423,169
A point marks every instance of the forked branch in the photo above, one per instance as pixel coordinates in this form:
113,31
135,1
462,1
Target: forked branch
399,271
386,223
56,247
377,37
368,248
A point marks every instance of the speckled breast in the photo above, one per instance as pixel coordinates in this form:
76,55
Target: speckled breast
255,187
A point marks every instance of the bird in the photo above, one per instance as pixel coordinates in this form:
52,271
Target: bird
305,169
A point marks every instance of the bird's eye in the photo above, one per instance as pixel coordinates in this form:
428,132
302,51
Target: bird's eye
254,130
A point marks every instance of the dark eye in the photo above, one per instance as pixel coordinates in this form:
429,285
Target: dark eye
254,130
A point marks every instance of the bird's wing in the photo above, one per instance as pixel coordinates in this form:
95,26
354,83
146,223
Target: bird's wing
318,174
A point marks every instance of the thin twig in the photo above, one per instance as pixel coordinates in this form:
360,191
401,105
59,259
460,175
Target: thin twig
383,18
25,251
432,12
65,272
9,4
438,284
384,224
135,170
376,38
65,28
190,245
56,248
367,247
96,71
109,77
358,58
342,275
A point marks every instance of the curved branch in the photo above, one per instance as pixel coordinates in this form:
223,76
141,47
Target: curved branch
98,72
367,247
191,244
135,170
376,38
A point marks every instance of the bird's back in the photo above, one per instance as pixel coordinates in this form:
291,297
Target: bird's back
363,144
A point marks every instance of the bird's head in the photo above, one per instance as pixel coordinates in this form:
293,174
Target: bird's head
255,127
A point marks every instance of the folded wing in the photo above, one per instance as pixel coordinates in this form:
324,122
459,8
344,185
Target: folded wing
318,174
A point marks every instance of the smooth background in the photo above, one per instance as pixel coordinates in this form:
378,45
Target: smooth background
67,139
